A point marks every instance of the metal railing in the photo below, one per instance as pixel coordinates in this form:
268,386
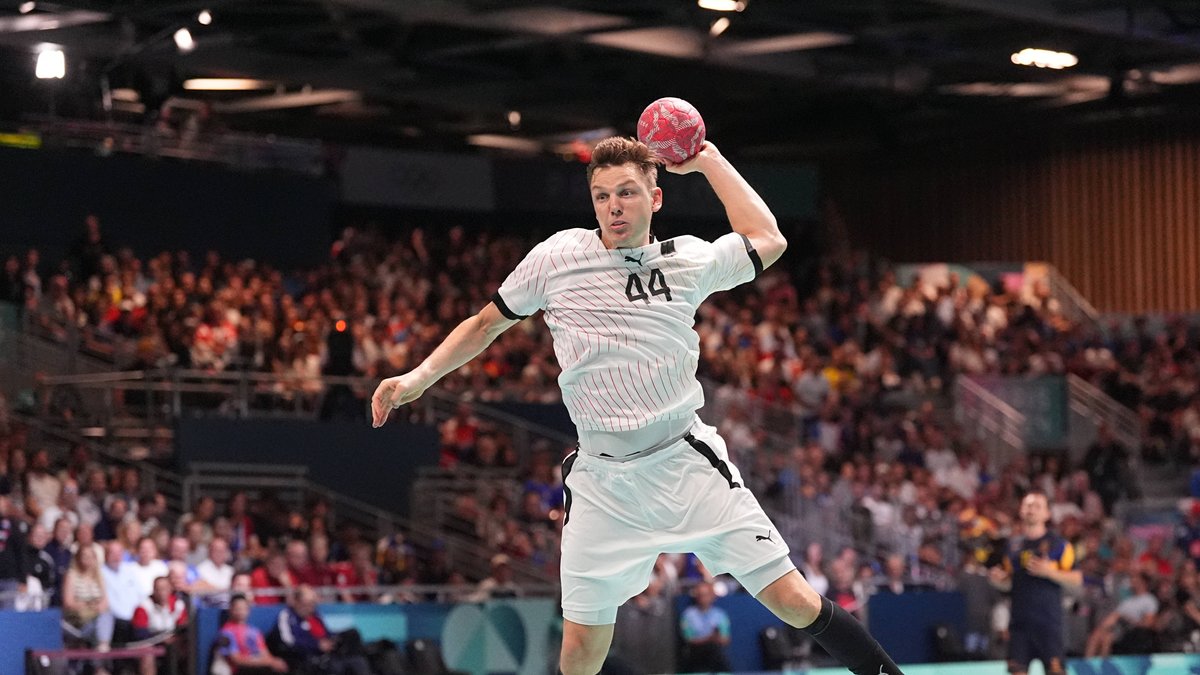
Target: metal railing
996,424
152,478
1087,399
1074,305
292,484
779,426
241,150
1090,408
435,489
157,397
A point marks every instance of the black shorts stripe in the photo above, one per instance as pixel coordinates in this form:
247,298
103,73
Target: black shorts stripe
566,469
503,307
754,259
717,463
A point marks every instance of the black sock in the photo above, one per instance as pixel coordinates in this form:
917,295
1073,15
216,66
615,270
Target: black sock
846,640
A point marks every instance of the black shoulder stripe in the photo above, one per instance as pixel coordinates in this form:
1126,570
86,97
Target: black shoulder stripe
508,313
757,261
667,248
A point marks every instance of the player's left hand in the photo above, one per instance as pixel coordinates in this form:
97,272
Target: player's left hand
393,393
695,162
1040,567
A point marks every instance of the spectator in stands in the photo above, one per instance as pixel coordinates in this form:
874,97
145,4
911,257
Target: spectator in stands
1105,464
242,646
499,583
121,587
85,538
163,615
215,572
13,533
12,287
85,601
642,625
893,579
91,504
243,584
68,501
706,632
198,535
1187,533
240,520
179,549
59,550
87,251
320,570
304,641
1155,560
151,512
204,511
128,490
40,568
1131,621
147,567
42,487
273,575
358,571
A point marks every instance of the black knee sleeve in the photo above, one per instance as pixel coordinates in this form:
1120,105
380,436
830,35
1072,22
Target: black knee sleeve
848,641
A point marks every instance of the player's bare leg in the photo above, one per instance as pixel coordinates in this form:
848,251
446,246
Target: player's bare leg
584,648
792,599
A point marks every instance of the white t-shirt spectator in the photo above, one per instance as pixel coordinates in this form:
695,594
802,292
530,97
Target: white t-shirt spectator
44,489
220,578
146,574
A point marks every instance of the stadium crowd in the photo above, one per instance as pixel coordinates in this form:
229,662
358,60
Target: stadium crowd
875,487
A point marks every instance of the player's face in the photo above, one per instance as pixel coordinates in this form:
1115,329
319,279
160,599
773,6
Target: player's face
1034,510
624,203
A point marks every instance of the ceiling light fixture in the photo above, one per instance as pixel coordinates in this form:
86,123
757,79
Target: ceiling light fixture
51,64
1044,58
719,26
204,17
722,5
184,41
225,84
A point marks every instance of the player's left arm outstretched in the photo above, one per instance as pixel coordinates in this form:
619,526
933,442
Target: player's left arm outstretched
748,213
464,343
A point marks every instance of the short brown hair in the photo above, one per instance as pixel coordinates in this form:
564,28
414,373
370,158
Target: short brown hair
618,150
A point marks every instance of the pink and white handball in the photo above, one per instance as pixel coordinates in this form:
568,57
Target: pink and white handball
672,128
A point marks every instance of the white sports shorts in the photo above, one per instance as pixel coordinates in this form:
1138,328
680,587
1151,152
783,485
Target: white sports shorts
685,498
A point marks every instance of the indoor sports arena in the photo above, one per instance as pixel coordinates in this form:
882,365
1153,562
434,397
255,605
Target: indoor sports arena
412,337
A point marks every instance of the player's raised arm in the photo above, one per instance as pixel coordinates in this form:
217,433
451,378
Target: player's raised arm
748,213
463,343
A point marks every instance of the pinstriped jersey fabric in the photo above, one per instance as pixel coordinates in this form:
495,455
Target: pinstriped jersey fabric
622,320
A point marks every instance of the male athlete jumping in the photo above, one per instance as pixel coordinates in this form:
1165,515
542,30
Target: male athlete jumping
648,476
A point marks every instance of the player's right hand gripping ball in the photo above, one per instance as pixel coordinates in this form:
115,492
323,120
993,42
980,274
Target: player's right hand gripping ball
672,128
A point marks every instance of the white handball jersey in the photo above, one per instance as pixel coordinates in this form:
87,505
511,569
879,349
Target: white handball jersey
622,319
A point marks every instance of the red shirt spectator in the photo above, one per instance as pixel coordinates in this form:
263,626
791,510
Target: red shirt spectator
273,575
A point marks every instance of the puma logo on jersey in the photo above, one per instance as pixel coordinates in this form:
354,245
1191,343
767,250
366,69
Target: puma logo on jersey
759,537
637,260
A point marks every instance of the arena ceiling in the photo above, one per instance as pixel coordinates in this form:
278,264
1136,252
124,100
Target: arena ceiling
785,76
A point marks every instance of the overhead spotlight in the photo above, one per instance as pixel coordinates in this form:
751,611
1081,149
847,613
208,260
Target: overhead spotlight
1044,58
722,5
184,41
204,17
719,26
225,84
27,7
514,119
51,64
